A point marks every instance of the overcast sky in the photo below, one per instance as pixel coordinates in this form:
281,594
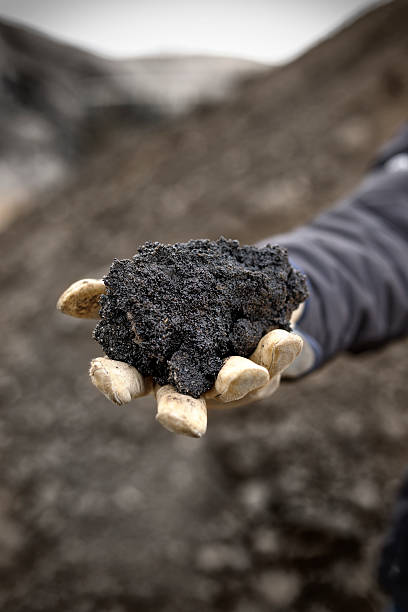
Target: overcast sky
264,30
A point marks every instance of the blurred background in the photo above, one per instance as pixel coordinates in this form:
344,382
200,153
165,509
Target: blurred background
132,121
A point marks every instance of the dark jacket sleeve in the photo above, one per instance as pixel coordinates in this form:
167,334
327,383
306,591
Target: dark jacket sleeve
393,569
356,259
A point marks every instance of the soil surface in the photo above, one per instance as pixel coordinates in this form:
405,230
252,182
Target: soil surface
176,312
283,506
58,101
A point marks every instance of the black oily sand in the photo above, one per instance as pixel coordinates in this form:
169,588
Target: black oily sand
175,312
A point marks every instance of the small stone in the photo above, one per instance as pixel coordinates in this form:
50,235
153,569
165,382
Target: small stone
266,542
218,557
255,496
279,588
365,495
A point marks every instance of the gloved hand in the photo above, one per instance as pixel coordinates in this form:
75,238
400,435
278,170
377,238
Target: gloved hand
239,381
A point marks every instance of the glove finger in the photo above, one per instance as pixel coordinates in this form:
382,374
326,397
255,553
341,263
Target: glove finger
118,381
180,413
296,314
276,350
265,391
303,363
253,396
81,299
237,377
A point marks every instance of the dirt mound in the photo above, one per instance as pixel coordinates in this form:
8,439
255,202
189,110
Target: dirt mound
57,102
282,505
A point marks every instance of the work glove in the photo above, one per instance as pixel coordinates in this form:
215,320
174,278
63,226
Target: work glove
239,381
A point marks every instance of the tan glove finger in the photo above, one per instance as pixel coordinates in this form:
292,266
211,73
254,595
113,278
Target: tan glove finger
237,377
296,314
264,391
118,381
253,396
81,299
180,413
303,363
276,350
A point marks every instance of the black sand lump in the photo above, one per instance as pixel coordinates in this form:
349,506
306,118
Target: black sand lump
176,312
